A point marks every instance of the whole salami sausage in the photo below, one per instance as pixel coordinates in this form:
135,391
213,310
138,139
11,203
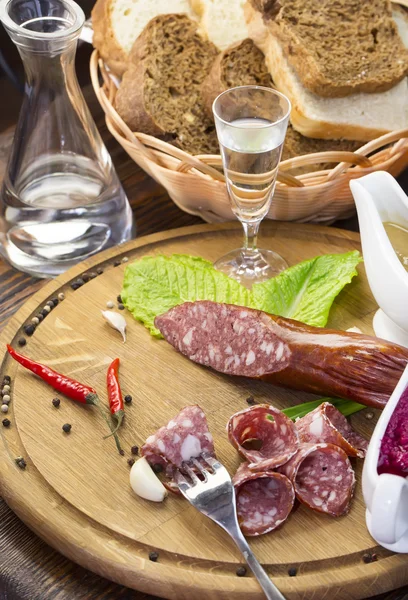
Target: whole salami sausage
264,500
251,343
184,437
327,424
323,478
264,435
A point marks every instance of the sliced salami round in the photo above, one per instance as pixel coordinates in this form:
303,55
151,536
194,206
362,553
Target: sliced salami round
264,500
323,478
327,424
184,437
264,435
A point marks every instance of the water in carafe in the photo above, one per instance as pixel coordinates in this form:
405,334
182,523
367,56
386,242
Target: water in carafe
61,197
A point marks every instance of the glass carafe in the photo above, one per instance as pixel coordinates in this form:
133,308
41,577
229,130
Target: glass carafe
61,200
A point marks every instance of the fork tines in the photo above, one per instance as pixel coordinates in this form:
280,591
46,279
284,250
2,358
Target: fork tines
197,467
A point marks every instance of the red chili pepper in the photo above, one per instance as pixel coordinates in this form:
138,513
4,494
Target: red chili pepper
63,384
115,394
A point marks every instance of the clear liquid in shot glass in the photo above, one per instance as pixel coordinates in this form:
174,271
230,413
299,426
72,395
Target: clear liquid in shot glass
251,152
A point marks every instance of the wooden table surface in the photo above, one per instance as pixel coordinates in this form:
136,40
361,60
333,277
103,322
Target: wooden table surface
29,568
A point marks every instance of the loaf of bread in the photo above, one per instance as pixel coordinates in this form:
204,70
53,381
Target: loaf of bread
160,93
338,48
244,64
117,24
360,116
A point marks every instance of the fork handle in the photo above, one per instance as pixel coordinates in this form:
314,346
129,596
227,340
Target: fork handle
270,589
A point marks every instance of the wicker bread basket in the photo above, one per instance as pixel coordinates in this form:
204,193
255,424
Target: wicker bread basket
198,187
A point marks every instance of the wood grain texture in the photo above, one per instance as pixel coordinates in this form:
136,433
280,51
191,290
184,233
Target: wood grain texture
89,513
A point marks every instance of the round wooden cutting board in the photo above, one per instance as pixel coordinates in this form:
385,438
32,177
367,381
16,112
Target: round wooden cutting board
75,491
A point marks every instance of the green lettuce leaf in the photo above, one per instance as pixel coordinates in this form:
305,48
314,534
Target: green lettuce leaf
306,291
154,284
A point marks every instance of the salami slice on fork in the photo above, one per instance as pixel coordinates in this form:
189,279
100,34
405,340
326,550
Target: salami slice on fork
186,436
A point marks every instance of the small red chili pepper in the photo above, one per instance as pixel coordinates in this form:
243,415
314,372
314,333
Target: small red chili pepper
63,384
115,394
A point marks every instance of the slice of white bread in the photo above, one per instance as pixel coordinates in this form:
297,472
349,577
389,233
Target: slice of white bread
221,21
117,24
356,117
400,16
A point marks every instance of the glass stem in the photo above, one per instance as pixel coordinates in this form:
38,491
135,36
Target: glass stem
250,237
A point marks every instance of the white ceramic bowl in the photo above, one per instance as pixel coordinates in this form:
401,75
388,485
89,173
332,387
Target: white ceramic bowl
385,495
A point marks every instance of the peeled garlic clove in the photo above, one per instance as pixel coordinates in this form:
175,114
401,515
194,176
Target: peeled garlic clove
145,483
354,330
116,321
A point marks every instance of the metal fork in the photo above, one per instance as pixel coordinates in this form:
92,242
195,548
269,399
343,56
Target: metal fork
215,498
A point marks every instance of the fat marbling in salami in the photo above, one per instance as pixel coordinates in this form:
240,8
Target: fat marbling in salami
264,436
327,424
323,478
264,500
184,437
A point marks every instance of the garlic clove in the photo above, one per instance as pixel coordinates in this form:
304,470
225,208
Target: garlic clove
145,483
354,330
116,321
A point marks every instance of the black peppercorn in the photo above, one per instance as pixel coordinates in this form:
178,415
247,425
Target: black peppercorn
292,572
121,306
128,399
6,422
134,450
116,263
85,277
29,329
131,462
56,402
6,380
99,271
369,558
22,342
119,299
77,284
251,400
21,462
50,303
153,556
40,317
157,468
92,275
44,313
55,301
241,571
66,428
122,452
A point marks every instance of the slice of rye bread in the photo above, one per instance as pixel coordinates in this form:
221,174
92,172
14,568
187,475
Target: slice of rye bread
244,64
359,116
160,93
338,48
117,24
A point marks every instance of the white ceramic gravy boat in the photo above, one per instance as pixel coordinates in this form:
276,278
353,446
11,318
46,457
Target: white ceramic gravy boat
386,495
379,199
